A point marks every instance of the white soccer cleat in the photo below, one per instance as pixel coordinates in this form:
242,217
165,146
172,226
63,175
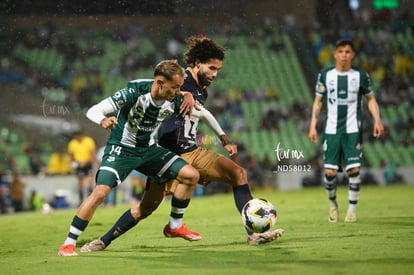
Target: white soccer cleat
333,214
96,245
350,217
265,237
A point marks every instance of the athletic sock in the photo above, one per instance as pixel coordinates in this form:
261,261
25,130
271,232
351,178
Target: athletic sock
330,187
354,190
76,228
178,207
122,225
241,195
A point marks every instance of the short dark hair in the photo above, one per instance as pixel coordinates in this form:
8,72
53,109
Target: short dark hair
202,48
344,42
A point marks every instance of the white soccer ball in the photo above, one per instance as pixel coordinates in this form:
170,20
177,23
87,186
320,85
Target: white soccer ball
259,215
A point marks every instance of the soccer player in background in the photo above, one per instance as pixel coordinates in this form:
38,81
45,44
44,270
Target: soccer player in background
140,108
179,134
341,89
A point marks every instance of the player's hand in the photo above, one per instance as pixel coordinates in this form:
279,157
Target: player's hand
231,148
313,135
378,129
188,103
109,123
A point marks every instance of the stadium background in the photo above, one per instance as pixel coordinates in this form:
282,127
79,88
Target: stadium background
59,57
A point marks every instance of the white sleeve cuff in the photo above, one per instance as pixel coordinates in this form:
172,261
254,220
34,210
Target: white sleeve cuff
99,111
211,121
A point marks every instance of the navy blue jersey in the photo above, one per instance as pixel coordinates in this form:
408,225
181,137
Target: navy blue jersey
177,133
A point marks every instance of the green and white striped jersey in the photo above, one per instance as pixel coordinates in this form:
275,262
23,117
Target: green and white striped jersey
138,114
342,93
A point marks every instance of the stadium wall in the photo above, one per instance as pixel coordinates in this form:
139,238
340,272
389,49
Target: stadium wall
291,181
65,186
51,186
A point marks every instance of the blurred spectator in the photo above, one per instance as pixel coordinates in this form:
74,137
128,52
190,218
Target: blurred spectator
17,192
7,162
5,200
254,171
138,181
35,162
82,154
36,201
59,163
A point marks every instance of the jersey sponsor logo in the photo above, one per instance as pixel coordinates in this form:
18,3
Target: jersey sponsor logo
320,88
342,92
342,101
146,129
165,114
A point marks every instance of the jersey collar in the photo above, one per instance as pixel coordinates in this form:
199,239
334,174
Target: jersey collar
195,77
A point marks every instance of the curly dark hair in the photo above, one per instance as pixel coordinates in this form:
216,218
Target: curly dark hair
202,48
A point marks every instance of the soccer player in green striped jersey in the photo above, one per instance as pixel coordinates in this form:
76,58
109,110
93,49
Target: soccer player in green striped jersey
340,90
140,108
179,134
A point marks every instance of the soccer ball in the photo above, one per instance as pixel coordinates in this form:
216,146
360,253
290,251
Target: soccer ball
258,215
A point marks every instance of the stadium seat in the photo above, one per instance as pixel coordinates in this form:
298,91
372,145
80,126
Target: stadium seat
370,155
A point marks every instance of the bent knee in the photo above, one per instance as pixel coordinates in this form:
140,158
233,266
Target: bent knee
330,172
239,176
141,211
189,176
100,193
353,170
242,175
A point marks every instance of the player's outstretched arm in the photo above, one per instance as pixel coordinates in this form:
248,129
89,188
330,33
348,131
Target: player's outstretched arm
97,113
212,122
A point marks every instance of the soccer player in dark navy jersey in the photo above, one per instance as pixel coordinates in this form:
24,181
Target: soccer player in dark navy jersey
179,134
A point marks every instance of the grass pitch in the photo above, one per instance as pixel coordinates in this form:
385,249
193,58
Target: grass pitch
381,242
